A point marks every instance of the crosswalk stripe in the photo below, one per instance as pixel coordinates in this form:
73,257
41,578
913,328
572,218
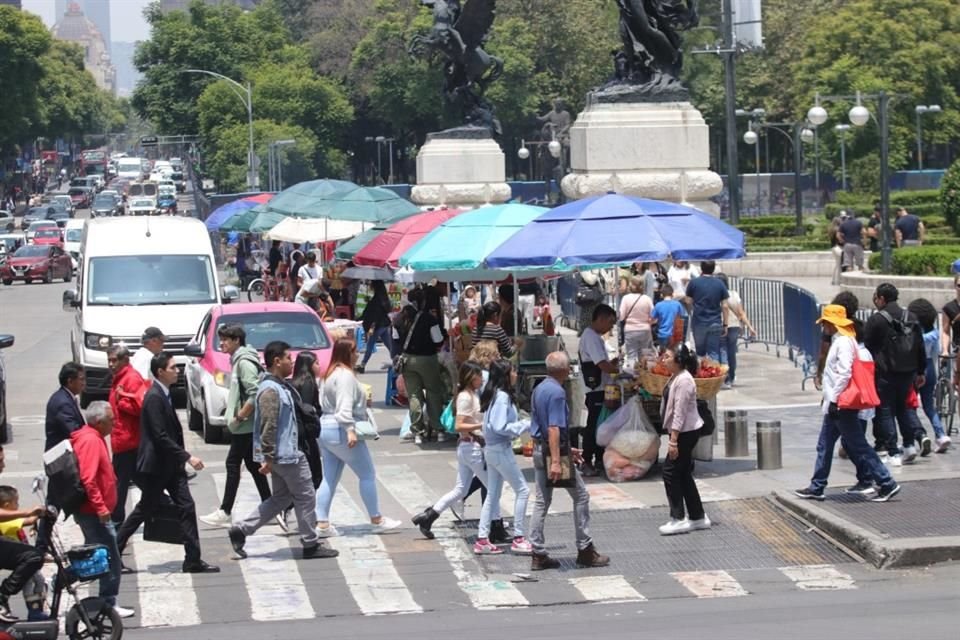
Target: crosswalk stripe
414,495
365,563
270,573
823,577
709,493
608,589
167,598
710,584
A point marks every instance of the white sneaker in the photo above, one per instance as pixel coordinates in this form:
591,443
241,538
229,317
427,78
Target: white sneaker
943,443
407,437
895,461
418,439
441,436
674,527
329,531
218,518
124,612
909,454
385,524
703,523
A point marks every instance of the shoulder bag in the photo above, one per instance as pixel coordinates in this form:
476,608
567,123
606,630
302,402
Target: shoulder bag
367,429
861,391
622,324
401,360
568,471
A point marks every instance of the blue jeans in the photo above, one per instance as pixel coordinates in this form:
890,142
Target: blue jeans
384,335
728,352
336,455
96,532
930,407
502,465
706,337
846,424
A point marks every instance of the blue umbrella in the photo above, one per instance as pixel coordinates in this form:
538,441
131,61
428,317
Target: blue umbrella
224,212
616,229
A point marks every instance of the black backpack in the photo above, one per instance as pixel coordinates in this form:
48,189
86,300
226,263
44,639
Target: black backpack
903,340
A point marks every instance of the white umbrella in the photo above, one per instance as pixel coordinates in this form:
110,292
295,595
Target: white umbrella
314,230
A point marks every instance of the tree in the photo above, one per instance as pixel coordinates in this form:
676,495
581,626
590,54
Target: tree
227,163
950,195
23,42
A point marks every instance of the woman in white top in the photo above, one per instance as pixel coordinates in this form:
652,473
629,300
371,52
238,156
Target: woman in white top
344,403
635,310
737,323
470,464
679,276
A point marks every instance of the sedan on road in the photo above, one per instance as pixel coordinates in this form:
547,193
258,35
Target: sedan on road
37,262
105,205
80,196
36,226
141,207
208,369
48,235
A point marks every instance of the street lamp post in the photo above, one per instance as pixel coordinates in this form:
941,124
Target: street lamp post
755,114
920,110
389,141
842,130
253,179
800,132
555,149
275,164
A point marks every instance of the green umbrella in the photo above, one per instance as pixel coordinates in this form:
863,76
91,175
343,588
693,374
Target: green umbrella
336,201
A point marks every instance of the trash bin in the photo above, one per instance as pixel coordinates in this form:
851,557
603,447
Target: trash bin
704,449
735,436
769,454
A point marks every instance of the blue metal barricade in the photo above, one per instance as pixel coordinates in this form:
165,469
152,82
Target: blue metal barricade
801,330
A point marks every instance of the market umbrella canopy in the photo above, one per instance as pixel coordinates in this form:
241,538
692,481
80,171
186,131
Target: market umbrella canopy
301,198
309,230
339,200
348,249
457,248
385,250
226,211
616,229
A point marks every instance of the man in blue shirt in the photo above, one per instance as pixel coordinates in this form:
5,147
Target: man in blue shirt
709,298
549,428
665,314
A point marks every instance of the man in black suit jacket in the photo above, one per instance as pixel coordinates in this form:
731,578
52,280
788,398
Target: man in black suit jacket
63,410
160,460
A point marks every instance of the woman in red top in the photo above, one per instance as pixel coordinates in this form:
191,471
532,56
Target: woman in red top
126,399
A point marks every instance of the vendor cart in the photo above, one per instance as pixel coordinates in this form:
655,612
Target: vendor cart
532,370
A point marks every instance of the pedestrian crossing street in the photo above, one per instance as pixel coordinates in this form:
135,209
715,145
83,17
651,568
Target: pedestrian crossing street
399,572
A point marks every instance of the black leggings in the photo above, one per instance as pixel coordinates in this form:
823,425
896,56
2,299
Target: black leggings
241,450
23,561
678,479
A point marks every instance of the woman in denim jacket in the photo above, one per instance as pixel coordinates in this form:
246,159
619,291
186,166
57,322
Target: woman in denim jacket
344,403
500,427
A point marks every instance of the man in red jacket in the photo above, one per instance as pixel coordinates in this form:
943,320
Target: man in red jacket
126,400
100,484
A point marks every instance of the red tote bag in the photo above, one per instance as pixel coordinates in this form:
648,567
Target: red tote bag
861,392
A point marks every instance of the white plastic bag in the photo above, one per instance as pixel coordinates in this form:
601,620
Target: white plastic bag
633,447
614,422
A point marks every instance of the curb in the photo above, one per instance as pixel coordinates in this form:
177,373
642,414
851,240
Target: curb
880,551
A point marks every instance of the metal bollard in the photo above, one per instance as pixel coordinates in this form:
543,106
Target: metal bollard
769,454
736,439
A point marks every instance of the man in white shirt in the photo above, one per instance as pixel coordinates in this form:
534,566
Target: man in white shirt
152,341
679,276
314,289
598,371
309,271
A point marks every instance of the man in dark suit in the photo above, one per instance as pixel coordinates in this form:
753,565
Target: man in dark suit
63,408
160,460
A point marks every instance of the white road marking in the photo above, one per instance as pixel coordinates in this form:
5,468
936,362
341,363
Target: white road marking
610,497
167,597
270,573
415,495
819,577
708,493
365,563
710,584
608,589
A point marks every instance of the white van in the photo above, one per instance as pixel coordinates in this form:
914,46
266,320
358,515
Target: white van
129,168
72,235
137,273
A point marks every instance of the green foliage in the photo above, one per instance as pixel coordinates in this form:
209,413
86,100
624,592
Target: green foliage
227,163
865,209
787,244
920,261
950,195
23,42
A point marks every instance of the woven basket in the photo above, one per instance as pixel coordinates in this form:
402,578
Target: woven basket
706,387
653,383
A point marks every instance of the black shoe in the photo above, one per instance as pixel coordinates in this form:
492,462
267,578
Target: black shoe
861,488
360,368
498,533
926,447
541,562
319,551
237,539
5,614
425,520
199,566
885,494
808,494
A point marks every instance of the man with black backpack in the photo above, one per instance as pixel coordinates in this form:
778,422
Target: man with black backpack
896,343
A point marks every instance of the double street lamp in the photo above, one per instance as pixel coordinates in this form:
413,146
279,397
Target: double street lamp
556,151
245,94
922,110
799,133
275,164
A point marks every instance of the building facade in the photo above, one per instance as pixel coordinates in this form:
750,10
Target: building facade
75,26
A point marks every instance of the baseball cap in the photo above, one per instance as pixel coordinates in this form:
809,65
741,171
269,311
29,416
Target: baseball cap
152,332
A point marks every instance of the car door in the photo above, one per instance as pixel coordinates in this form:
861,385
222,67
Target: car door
66,265
194,368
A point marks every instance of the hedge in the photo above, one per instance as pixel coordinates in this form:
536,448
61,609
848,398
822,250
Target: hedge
775,230
920,261
788,244
865,209
897,198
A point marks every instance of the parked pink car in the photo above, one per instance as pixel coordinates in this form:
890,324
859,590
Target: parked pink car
208,369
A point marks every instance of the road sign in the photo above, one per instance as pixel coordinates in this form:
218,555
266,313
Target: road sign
148,141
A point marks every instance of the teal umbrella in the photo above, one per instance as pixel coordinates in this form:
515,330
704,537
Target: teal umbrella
335,200
457,248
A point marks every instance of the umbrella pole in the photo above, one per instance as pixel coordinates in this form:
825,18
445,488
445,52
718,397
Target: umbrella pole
516,305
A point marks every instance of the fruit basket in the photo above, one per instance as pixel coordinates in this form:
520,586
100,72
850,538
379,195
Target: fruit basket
709,378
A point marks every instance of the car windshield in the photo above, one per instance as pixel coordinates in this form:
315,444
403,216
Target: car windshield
74,235
299,330
77,192
40,224
103,202
37,212
31,251
151,279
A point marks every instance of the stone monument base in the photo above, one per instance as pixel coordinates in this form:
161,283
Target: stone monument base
658,150
462,167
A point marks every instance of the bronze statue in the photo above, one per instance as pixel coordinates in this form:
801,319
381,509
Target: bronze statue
652,53
457,34
556,124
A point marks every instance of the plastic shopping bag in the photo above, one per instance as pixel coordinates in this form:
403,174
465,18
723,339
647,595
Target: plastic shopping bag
633,448
609,427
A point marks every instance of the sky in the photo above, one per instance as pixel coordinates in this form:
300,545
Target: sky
127,23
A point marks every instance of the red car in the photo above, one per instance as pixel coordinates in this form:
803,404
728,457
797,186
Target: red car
48,236
37,262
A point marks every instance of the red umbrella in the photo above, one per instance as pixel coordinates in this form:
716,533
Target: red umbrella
385,250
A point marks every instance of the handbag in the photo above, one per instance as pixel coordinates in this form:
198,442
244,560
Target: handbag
163,525
622,324
568,472
861,391
447,420
401,360
367,429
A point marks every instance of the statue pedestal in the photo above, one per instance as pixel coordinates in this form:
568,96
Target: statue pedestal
461,167
658,150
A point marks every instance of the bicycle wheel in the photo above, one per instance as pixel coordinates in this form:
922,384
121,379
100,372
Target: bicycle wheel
948,421
945,403
255,290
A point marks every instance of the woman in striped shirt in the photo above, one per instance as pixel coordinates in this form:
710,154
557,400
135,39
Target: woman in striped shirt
488,328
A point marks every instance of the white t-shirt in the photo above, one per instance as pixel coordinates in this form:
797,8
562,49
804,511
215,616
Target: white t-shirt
140,360
594,349
734,303
468,406
307,272
680,278
310,288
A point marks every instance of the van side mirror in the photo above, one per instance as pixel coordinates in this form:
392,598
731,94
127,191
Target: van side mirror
71,300
229,293
193,350
6,340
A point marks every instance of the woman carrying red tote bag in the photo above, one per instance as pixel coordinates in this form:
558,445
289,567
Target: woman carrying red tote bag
861,391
